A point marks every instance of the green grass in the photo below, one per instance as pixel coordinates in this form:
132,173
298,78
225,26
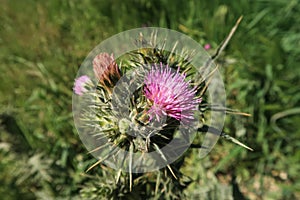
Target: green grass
42,45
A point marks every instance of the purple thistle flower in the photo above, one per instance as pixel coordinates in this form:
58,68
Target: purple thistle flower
169,94
80,83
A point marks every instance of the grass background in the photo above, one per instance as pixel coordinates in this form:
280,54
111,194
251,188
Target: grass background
42,44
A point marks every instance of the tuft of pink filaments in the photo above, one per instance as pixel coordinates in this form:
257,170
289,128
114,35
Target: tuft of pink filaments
170,94
80,83
207,47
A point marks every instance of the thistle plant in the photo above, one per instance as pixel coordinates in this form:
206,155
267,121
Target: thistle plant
141,112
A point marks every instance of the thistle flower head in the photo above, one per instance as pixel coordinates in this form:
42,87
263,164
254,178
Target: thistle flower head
169,94
80,83
106,70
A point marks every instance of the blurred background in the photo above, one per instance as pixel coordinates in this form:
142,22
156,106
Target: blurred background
42,44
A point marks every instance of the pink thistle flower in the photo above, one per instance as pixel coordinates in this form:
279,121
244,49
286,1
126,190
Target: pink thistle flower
80,83
169,94
207,47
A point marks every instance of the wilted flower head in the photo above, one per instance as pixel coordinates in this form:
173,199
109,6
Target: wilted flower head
169,94
106,70
80,83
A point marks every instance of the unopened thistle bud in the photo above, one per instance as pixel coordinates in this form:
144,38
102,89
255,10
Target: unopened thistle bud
106,70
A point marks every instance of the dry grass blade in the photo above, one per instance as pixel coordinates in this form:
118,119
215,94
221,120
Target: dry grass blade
130,165
165,159
227,137
98,148
206,81
111,152
170,169
216,55
157,183
225,42
215,131
282,114
226,110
